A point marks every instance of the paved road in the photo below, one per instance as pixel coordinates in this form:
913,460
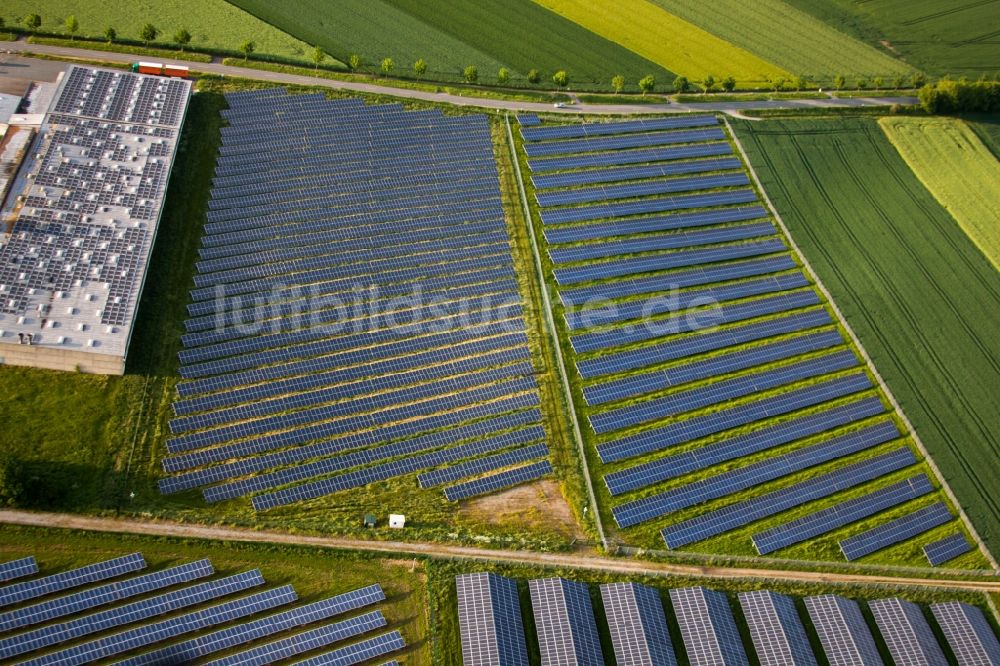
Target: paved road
567,560
44,72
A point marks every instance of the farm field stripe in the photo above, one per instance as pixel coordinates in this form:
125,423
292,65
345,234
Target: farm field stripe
641,26
958,169
792,39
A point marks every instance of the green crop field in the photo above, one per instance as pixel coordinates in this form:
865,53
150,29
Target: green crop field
915,289
449,36
789,38
958,169
642,27
956,38
315,574
212,23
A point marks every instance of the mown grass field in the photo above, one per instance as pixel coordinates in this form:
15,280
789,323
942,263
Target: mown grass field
669,41
94,444
450,36
918,293
958,169
444,601
212,23
956,38
791,39
315,574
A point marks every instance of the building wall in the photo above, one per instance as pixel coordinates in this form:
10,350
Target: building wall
61,359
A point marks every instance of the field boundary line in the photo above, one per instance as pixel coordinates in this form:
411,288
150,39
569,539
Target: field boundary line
864,353
551,326
175,530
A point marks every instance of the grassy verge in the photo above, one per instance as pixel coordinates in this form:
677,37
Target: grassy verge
623,99
136,50
314,573
909,281
832,112
745,97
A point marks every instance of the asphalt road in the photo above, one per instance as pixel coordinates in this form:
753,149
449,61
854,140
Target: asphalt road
43,70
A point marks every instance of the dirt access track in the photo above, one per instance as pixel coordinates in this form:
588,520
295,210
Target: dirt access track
397,548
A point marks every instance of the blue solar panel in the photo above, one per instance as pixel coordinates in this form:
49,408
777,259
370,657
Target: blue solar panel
700,343
564,622
776,629
591,145
895,531
667,282
140,610
528,120
669,467
645,188
494,482
727,483
841,514
481,465
628,157
103,594
358,652
638,626
627,227
948,548
18,592
619,174
651,243
617,127
707,318
769,504
634,385
719,392
372,472
647,206
25,566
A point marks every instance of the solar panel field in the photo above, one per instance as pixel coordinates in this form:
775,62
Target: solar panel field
910,282
727,409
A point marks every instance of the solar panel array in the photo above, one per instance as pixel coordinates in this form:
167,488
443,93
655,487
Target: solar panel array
968,633
843,632
708,627
356,316
895,531
564,621
906,632
691,324
25,566
940,551
638,625
779,639
489,619
177,601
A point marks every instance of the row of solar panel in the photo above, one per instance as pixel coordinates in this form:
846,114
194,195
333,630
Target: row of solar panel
642,172
619,127
646,206
593,145
625,157
595,231
591,194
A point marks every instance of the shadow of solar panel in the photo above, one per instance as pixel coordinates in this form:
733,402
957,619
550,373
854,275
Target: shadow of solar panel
700,343
641,189
748,511
359,652
841,514
708,318
620,127
371,473
619,174
669,467
506,479
895,531
144,609
18,592
948,548
660,242
102,595
597,144
646,206
691,277
620,157
727,483
676,302
634,385
25,566
481,465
